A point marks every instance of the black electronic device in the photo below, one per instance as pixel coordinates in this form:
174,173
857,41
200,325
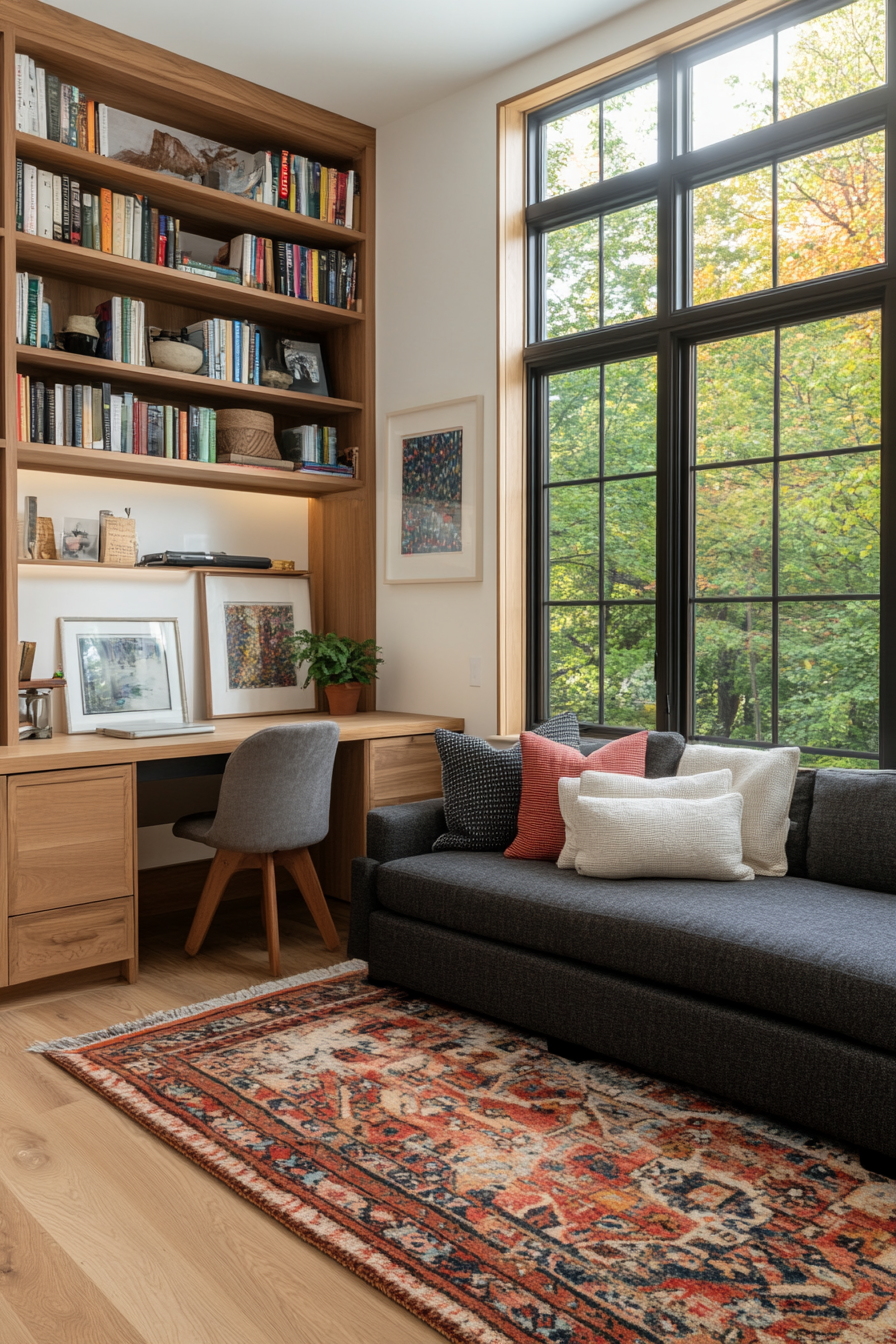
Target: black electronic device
205,560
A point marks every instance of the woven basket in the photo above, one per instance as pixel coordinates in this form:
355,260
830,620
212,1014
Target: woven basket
248,432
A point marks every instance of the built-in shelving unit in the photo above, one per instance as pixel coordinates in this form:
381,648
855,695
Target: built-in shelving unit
168,89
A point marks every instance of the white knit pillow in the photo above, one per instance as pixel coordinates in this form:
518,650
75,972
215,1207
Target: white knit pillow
661,837
595,784
765,780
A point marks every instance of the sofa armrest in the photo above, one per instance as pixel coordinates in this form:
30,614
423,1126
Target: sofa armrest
406,829
364,903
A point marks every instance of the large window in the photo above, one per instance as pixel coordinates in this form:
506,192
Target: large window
709,289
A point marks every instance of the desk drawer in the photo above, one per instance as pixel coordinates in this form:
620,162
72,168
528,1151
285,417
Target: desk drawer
403,769
64,940
71,838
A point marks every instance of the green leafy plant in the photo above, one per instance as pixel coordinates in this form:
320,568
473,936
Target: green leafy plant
334,660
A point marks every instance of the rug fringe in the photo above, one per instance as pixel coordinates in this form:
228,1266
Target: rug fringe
192,1009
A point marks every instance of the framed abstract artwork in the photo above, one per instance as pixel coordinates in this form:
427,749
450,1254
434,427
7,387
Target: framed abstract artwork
245,619
433,493
122,671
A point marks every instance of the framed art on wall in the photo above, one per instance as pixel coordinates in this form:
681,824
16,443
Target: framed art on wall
245,619
122,672
433,493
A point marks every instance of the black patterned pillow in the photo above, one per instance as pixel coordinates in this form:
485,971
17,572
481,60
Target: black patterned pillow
482,786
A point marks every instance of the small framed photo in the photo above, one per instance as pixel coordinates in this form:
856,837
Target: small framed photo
245,619
305,361
121,672
81,539
433,493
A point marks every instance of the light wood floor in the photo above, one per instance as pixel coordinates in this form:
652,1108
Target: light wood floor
107,1236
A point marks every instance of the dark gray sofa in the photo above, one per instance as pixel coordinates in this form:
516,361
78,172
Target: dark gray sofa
779,994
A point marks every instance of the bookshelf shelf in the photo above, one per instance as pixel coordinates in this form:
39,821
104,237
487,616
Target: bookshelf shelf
173,91
53,364
193,203
170,471
216,297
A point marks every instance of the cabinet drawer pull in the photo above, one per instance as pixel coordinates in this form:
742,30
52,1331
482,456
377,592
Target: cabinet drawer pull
63,939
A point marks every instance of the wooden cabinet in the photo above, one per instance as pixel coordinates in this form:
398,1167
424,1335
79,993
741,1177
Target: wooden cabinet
404,769
70,872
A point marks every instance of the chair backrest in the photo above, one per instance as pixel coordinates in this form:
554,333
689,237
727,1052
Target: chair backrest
275,793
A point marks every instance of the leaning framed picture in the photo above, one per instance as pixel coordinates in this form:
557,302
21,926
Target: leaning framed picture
122,671
245,619
433,493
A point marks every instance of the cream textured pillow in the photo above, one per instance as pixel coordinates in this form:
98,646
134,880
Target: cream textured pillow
592,784
661,837
765,780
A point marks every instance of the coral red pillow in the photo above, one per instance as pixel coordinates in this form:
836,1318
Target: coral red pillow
540,832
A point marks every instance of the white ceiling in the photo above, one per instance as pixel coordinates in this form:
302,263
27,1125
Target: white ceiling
374,60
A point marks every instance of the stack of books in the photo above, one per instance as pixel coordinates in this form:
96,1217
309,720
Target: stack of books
294,182
231,349
84,416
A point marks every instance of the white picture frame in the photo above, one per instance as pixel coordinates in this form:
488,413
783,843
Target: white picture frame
433,496
122,671
236,607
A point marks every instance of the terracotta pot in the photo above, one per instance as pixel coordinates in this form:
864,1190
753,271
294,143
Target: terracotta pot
344,699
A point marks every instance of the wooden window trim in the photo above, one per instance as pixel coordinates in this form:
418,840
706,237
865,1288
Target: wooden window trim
513,116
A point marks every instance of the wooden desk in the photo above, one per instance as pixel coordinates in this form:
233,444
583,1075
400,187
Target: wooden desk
68,883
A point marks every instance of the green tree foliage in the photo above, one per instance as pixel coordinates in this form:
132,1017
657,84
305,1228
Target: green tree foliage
826,508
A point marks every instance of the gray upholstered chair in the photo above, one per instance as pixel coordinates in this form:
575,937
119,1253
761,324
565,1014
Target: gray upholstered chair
274,803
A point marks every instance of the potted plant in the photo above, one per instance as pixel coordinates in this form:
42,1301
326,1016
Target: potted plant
340,664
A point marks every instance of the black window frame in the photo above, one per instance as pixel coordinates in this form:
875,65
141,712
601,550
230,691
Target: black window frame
677,328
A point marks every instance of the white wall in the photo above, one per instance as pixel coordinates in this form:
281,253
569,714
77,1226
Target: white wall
436,340
166,516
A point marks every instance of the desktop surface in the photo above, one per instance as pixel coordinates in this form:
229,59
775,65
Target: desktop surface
68,751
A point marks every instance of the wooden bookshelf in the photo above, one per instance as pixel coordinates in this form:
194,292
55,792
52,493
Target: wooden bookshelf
148,81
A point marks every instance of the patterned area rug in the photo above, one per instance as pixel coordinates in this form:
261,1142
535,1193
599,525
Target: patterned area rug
498,1192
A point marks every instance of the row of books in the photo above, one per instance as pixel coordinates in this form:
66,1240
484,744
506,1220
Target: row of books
294,182
84,416
317,274
311,446
47,107
52,205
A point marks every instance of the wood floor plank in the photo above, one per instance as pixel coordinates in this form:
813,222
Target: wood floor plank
162,1247
45,1291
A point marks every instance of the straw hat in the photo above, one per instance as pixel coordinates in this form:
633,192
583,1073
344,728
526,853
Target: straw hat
82,326
248,432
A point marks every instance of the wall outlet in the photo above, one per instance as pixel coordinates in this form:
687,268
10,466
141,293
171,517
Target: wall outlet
475,671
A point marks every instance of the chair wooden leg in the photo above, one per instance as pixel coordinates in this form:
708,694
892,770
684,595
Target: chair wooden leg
298,863
269,907
225,863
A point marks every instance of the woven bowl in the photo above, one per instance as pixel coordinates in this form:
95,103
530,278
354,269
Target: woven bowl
248,432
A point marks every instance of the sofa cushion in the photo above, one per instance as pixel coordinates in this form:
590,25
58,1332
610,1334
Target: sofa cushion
541,833
660,837
852,830
482,786
817,953
765,780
